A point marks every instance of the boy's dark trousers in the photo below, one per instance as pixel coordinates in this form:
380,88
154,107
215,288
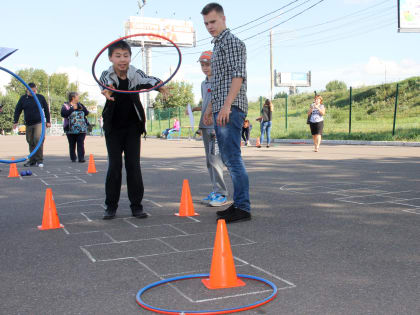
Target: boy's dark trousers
125,140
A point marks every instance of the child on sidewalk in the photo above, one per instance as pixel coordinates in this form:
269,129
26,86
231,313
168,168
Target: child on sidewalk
218,197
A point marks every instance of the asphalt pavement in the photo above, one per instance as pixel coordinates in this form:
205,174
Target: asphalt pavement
337,231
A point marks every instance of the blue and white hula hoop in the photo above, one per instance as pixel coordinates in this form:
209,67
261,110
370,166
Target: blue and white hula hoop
204,312
41,139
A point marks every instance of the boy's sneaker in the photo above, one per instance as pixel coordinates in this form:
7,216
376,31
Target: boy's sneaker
208,199
218,201
237,215
40,165
223,213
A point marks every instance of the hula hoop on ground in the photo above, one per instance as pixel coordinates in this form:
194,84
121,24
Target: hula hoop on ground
206,312
137,91
41,139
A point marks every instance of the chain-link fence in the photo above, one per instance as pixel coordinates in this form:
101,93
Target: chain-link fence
372,113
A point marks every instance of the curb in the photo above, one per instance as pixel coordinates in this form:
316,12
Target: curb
351,142
343,142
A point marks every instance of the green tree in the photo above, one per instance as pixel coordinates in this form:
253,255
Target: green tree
55,89
181,95
8,103
335,86
59,84
38,76
280,95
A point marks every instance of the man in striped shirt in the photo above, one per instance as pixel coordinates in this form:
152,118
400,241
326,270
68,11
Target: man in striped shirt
229,106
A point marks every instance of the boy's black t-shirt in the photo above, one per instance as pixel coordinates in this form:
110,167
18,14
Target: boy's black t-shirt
124,112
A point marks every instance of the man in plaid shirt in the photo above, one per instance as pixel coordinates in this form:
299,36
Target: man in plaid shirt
229,106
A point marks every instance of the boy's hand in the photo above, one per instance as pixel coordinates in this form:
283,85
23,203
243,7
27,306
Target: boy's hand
165,92
108,93
208,117
223,117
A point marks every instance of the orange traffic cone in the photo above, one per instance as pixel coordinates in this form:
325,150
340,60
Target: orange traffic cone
186,207
258,144
91,167
50,219
13,171
222,272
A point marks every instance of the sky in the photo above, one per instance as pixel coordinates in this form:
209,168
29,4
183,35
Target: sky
355,41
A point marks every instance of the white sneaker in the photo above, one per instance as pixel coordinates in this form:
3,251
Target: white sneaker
208,199
40,165
218,201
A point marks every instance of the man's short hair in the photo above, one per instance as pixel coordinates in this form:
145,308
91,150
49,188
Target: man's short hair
120,44
32,85
212,7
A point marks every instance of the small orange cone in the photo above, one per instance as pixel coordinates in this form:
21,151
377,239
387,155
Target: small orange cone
50,219
258,144
186,207
222,272
91,167
13,171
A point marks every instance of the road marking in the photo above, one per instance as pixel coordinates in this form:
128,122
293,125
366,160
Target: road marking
87,218
87,254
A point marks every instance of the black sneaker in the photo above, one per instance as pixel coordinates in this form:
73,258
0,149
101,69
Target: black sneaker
109,214
223,213
140,214
237,215
29,163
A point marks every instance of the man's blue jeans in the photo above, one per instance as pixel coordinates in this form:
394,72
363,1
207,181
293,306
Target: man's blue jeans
229,139
265,127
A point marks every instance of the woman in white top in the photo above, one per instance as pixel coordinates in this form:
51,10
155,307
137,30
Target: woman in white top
316,120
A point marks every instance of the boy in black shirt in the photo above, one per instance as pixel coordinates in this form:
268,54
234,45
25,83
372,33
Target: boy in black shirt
124,123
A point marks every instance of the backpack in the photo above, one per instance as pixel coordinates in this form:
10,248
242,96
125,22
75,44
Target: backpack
77,122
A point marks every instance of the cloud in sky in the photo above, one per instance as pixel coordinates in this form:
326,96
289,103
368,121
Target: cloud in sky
85,81
374,71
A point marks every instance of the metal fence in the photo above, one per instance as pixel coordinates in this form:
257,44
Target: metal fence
362,113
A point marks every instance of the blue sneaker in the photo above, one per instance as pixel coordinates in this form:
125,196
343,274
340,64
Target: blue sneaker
208,199
218,201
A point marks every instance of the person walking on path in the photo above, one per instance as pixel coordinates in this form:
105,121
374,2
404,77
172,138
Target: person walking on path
218,197
265,120
316,114
33,121
246,131
229,107
75,126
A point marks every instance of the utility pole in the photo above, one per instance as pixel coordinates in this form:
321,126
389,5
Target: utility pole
145,55
271,65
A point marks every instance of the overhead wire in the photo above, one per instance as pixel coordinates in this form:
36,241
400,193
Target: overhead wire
257,19
292,17
366,10
299,13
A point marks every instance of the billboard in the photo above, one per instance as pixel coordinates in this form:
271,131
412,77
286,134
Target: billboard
287,79
180,32
409,16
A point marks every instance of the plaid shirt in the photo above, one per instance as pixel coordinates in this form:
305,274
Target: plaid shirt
227,62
